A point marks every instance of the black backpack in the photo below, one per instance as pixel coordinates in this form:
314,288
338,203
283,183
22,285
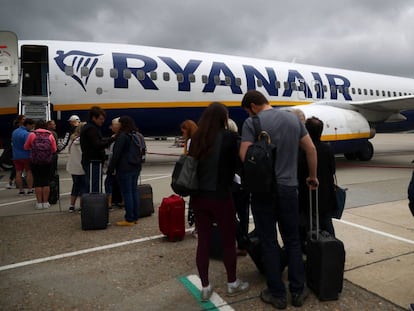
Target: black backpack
137,149
259,163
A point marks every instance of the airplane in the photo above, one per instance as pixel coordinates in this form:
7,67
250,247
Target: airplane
162,87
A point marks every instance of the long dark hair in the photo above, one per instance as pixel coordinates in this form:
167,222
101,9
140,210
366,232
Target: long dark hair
212,121
127,124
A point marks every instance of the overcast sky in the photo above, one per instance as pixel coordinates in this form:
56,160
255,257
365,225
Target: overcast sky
367,35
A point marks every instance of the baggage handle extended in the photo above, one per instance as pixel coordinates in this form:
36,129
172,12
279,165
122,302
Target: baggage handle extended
316,212
91,174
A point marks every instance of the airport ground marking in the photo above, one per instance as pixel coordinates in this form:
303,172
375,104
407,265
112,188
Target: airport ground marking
83,251
388,235
193,284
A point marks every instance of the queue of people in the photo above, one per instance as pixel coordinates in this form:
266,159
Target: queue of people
303,162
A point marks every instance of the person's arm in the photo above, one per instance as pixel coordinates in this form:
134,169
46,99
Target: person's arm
243,149
53,143
96,141
311,157
29,140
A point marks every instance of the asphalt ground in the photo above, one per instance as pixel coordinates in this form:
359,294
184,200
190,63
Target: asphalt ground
48,263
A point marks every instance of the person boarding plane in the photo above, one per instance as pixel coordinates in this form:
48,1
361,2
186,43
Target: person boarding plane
159,88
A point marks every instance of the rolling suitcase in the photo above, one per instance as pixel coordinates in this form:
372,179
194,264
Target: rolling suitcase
146,204
171,217
94,206
325,260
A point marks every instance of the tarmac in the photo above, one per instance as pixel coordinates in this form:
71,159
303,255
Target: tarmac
48,263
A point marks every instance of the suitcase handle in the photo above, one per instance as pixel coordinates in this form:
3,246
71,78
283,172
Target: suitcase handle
316,212
91,174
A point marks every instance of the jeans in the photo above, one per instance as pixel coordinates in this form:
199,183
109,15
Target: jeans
128,182
266,215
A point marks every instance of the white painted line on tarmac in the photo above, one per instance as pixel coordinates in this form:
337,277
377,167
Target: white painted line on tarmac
81,252
388,235
193,284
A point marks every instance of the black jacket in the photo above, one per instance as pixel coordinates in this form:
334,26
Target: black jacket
92,143
120,156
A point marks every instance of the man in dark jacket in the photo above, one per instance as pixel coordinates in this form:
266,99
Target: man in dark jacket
93,146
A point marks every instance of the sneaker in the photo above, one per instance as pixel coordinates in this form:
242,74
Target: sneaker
39,206
277,302
46,205
206,293
298,299
10,186
21,192
125,223
238,288
71,209
29,191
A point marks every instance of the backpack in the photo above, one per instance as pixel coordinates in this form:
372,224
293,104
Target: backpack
259,163
41,148
137,149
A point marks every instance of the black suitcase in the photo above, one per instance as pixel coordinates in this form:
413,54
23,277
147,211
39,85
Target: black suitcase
94,207
54,189
253,248
146,202
325,261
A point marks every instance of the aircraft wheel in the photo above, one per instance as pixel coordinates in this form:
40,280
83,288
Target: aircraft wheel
366,153
350,156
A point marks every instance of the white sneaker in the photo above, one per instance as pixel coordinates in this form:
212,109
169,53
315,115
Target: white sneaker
39,206
46,205
237,288
206,293
10,186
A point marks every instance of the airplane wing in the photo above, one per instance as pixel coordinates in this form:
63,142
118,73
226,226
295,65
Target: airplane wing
377,110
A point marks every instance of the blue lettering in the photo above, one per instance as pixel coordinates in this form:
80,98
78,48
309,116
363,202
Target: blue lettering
190,68
120,63
252,73
216,69
334,86
318,85
294,75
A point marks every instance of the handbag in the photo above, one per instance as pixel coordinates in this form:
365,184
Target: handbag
184,179
340,194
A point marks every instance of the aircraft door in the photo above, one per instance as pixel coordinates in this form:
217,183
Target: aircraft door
35,70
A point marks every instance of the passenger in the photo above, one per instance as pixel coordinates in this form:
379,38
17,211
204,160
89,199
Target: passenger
16,124
74,121
188,128
42,171
93,146
51,126
21,157
326,188
300,115
127,161
287,133
111,179
216,149
75,169
241,198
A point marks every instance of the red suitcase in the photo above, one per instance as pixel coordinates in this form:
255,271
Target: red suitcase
171,217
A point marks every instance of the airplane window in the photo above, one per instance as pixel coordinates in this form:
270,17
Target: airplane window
99,72
400,94
405,94
84,71
294,86
395,94
227,80
127,74
69,70
383,93
153,75
377,93
371,92
216,80
333,88
286,85
99,91
140,74
340,89
238,81
259,82
278,84
389,94
353,90
191,77
347,90
166,76
365,92
180,77
301,86
359,91
204,79
325,88
113,73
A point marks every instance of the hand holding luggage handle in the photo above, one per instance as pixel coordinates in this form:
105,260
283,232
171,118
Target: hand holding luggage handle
316,212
